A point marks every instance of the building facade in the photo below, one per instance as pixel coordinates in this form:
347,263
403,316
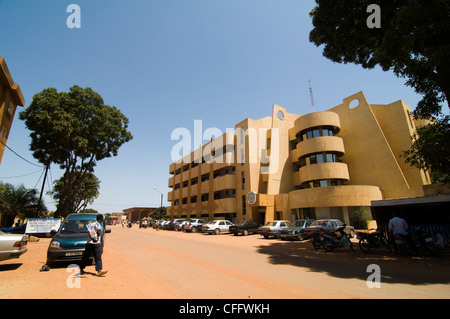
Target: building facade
290,166
10,97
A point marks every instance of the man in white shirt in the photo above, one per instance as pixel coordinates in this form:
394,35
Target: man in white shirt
95,246
398,226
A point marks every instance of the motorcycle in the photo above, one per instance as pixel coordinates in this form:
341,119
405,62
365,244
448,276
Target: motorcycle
423,241
402,245
373,240
316,240
331,241
442,242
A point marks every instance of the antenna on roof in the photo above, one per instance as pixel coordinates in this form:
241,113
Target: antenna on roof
312,96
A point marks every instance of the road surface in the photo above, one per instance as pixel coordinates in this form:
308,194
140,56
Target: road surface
145,263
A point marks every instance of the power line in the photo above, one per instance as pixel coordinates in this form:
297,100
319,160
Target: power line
19,155
6,177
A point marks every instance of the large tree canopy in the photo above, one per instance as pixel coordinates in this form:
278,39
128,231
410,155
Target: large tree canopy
74,130
413,42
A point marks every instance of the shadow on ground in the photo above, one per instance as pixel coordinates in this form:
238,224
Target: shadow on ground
344,263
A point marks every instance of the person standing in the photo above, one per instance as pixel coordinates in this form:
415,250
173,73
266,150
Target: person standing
94,245
399,227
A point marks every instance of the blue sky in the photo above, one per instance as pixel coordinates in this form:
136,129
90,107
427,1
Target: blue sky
166,63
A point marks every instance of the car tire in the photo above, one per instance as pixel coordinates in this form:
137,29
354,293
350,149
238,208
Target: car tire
217,231
245,232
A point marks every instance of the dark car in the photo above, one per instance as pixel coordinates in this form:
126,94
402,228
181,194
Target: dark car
296,230
15,230
245,227
69,242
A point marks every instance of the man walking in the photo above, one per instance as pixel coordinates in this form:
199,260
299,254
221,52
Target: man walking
94,245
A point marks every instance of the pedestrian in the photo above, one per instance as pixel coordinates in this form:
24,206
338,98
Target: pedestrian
399,227
94,245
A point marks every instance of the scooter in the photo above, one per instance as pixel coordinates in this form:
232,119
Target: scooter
331,241
442,242
317,240
424,241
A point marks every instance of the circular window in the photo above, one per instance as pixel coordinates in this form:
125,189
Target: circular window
281,115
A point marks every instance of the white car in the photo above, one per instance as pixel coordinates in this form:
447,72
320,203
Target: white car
12,246
217,226
272,228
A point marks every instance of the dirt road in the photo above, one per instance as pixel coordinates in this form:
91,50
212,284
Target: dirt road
144,263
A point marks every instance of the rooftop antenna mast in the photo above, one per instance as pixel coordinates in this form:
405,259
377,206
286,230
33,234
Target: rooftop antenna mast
312,96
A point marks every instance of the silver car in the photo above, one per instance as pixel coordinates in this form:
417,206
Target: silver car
12,246
272,228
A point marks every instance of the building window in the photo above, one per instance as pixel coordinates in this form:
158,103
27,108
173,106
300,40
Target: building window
193,199
318,158
316,132
205,197
244,205
243,180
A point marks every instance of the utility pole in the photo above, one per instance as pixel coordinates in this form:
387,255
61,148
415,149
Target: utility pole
161,199
38,210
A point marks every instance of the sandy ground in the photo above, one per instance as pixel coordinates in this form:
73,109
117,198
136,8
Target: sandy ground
144,263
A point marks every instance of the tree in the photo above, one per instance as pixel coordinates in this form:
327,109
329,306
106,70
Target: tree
74,130
88,192
430,151
413,42
18,201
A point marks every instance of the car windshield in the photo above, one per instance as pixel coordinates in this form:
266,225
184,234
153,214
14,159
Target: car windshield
298,223
271,224
322,223
75,226
211,223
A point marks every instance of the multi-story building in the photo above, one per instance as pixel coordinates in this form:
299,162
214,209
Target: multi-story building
290,166
10,97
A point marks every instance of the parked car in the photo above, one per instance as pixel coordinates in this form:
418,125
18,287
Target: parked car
329,226
244,227
15,230
172,225
69,242
194,225
296,230
179,224
165,224
217,227
272,228
12,245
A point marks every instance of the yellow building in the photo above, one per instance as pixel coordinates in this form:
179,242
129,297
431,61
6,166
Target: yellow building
290,166
10,97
